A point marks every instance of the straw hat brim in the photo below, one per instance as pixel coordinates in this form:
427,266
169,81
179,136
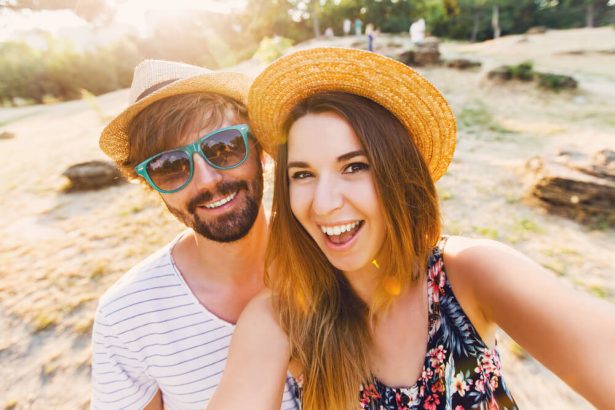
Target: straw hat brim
114,138
419,106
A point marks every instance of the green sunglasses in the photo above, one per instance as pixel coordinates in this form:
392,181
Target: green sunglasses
170,171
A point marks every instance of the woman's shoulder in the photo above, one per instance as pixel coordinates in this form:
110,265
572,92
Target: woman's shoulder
465,254
259,310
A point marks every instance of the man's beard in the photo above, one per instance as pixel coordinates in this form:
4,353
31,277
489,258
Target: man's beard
231,226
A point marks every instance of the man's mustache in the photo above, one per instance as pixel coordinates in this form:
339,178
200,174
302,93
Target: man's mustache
224,188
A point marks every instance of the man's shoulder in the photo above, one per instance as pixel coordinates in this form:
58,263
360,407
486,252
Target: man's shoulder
153,272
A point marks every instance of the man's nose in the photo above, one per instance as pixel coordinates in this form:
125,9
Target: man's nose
205,175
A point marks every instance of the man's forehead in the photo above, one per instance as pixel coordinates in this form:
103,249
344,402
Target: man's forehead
198,131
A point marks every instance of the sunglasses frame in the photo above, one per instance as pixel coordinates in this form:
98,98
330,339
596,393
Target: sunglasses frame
190,150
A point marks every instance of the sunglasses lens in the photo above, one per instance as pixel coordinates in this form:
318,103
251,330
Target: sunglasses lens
169,170
225,149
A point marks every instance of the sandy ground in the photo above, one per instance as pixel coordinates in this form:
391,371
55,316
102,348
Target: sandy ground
60,251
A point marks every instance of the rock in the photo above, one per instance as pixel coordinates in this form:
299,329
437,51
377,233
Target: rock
92,175
426,52
407,57
573,186
6,135
463,64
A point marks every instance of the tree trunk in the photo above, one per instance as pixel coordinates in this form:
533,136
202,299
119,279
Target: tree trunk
589,15
315,13
475,21
495,21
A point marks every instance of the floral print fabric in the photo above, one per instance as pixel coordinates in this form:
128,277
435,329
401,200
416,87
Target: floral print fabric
460,371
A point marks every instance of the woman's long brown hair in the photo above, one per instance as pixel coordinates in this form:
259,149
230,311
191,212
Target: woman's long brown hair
328,325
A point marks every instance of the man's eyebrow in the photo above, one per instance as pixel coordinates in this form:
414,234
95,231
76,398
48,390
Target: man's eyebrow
351,155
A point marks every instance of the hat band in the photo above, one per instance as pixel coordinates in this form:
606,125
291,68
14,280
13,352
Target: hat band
155,87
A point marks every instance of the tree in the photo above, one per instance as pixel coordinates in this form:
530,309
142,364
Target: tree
94,11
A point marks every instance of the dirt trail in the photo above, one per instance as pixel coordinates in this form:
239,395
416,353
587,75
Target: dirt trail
61,251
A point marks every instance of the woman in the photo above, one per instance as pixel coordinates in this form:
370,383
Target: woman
369,307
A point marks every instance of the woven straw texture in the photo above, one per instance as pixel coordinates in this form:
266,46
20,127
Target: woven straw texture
420,107
190,79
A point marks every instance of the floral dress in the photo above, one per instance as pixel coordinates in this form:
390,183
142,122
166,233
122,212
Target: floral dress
460,371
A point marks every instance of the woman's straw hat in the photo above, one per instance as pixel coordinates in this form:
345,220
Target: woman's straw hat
419,106
154,80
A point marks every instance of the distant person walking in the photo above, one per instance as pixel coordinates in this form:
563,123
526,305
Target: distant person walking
358,27
347,26
417,31
369,30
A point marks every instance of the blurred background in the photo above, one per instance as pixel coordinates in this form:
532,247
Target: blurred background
531,82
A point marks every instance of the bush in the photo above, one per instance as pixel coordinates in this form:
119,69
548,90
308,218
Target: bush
59,73
556,82
523,71
272,48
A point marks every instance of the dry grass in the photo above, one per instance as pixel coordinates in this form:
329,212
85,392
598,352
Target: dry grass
61,251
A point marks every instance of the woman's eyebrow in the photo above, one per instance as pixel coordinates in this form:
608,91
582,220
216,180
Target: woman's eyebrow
350,155
297,164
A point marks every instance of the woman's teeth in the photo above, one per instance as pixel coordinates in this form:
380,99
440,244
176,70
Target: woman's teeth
221,202
339,229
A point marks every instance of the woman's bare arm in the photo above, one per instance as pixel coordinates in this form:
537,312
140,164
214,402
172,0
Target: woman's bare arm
255,372
571,333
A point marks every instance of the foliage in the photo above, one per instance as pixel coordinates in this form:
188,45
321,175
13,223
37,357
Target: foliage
272,48
219,40
59,72
556,82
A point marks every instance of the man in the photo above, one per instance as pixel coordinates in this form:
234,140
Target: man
162,332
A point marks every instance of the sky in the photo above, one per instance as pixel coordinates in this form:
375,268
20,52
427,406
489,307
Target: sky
131,12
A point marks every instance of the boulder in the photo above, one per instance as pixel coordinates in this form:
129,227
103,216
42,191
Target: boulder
426,52
92,175
463,64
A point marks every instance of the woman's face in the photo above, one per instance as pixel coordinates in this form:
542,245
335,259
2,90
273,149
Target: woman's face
332,191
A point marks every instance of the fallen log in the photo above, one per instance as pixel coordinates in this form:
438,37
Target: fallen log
92,175
571,186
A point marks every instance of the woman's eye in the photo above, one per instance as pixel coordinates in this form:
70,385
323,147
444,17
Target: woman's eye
300,175
355,167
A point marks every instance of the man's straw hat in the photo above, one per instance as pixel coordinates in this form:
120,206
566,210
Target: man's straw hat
154,80
419,106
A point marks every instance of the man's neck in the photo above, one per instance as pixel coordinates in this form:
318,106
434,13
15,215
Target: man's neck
238,261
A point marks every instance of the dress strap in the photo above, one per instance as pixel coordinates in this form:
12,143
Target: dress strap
441,244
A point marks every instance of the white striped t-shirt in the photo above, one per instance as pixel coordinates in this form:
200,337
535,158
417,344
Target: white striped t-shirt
152,333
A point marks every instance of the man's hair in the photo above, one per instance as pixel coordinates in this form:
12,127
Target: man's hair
162,125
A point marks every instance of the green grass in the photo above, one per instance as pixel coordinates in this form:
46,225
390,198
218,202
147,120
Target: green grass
445,194
599,291
557,266
476,115
486,232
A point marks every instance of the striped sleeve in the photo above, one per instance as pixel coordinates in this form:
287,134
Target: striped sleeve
119,379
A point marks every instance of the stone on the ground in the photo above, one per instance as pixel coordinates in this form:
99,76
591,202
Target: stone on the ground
92,175
463,63
426,52
5,135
